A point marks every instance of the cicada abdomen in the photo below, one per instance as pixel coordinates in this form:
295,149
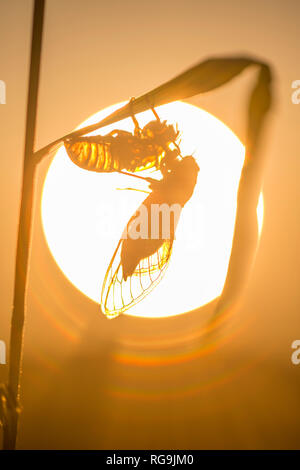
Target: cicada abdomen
138,264
121,150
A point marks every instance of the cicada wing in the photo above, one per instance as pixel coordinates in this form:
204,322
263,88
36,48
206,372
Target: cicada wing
119,295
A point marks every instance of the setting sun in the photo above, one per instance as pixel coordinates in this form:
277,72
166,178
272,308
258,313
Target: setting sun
84,214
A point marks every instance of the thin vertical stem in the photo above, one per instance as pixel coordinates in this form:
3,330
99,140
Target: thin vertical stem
23,244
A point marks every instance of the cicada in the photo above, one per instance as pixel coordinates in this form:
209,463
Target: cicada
121,150
139,262
140,259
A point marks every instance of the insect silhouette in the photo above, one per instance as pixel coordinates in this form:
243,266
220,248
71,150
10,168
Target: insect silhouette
119,150
138,264
140,258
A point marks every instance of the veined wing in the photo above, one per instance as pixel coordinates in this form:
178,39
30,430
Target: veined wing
119,295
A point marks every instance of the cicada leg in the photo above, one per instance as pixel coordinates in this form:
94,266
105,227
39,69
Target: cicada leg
152,109
133,189
137,129
155,114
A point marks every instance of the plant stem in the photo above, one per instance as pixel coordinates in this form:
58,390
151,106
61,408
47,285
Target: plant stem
10,427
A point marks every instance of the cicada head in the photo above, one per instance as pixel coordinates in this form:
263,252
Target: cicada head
189,166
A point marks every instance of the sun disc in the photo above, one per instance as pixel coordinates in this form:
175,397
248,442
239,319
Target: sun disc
84,214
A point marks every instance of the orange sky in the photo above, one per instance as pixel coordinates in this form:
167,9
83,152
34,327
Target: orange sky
87,382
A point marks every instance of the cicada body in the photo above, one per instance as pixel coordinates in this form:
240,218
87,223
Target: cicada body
142,256
121,150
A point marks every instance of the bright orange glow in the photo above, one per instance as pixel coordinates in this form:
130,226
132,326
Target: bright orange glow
84,214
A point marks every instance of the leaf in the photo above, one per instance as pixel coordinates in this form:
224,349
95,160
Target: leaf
201,78
204,77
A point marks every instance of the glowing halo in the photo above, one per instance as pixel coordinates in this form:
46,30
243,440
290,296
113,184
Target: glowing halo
83,214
